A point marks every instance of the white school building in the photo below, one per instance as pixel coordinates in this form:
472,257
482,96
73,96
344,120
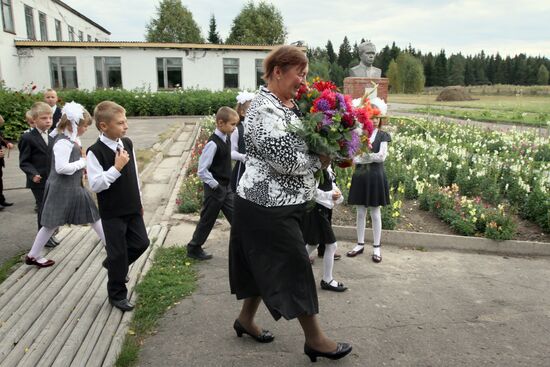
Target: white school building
51,45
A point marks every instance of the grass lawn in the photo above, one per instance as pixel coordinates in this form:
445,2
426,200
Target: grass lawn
532,104
171,278
9,266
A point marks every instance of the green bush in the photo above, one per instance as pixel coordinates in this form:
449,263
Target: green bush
13,105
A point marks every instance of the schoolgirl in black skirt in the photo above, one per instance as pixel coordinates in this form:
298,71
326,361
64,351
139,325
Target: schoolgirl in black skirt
369,186
317,227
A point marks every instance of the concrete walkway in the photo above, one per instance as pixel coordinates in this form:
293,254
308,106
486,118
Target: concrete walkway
415,308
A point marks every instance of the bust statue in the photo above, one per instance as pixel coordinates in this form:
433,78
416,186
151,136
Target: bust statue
367,51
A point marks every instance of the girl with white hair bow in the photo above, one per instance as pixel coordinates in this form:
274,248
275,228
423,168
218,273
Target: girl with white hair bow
66,201
369,185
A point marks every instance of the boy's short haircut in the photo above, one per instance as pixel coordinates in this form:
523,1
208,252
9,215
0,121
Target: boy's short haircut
226,113
105,112
40,108
28,115
50,90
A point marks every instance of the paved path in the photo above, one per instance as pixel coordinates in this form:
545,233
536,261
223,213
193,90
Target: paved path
60,316
413,309
18,223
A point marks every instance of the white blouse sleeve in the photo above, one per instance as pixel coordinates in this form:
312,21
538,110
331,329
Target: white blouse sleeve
62,152
235,155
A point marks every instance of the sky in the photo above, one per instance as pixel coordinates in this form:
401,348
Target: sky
466,26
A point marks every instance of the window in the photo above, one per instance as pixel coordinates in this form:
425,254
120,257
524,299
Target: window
169,71
63,72
259,72
43,26
7,16
29,20
71,33
108,72
58,35
231,73
80,36
89,38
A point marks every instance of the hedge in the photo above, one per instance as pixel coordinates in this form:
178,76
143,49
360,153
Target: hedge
13,105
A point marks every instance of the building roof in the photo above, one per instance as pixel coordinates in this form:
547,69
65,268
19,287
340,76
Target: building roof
126,44
80,15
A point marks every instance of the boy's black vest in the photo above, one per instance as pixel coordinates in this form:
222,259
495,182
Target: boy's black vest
241,148
122,197
326,183
221,164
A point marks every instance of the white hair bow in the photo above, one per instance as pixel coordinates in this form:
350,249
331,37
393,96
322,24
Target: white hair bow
245,96
74,112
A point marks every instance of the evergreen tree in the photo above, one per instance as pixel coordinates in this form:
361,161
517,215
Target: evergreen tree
258,24
213,35
469,75
319,67
542,75
394,51
344,54
429,69
500,70
440,70
457,65
520,69
382,60
174,23
330,52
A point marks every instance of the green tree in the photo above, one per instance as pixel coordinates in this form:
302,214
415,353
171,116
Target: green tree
440,70
319,67
411,73
337,74
344,54
174,23
457,65
213,35
330,52
393,76
258,24
542,75
429,67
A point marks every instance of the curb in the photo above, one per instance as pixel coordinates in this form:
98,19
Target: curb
449,242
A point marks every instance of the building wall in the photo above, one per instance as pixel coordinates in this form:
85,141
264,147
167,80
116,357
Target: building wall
201,68
9,62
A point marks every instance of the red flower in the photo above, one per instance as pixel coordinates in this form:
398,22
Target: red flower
322,85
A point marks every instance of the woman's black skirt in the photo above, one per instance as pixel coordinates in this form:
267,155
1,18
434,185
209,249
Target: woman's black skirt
317,226
268,258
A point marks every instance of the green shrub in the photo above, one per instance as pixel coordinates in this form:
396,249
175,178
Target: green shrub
13,105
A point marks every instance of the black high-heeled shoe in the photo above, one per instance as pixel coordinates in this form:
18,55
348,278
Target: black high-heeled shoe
264,337
342,350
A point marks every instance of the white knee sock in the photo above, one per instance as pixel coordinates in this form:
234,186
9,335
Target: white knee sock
328,262
376,217
42,237
361,222
310,249
98,228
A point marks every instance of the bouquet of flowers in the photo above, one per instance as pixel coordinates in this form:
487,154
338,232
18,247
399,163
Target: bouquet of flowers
331,125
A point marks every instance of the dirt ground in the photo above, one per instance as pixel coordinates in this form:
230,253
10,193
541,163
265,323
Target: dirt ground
415,220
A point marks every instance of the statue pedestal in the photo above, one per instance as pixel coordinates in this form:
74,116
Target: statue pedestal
355,86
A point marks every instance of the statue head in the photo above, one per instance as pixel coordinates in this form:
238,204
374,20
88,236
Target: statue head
367,51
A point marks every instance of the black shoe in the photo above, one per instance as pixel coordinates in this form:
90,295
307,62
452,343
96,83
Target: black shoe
5,203
197,253
51,243
342,350
336,288
264,337
123,304
1,208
